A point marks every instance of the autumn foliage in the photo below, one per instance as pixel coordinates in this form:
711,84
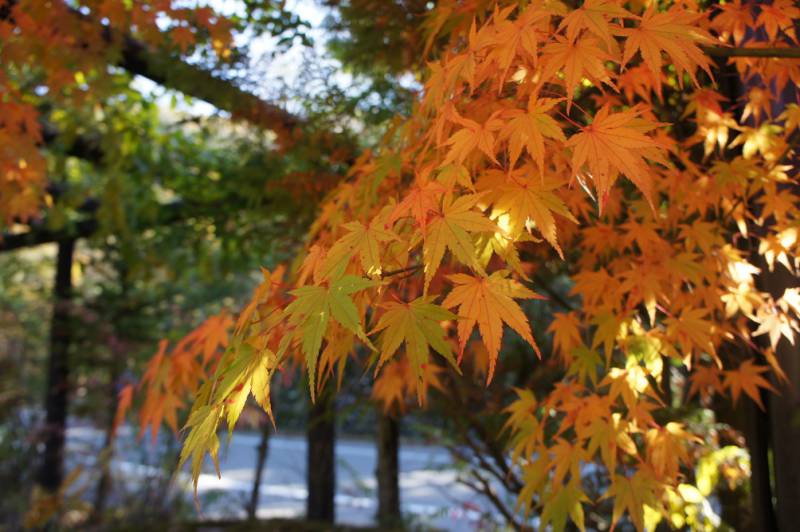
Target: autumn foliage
590,142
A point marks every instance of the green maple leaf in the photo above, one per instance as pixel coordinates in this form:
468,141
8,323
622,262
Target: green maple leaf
417,325
313,308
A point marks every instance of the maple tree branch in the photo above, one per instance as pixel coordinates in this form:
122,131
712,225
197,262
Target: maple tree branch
409,269
555,296
169,71
507,480
486,489
746,51
174,212
166,69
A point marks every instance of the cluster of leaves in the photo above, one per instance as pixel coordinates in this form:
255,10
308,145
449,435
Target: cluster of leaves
61,50
545,138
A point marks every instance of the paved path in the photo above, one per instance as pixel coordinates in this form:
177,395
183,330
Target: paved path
429,491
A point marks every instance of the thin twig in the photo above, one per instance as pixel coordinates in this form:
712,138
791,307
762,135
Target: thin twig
402,270
555,296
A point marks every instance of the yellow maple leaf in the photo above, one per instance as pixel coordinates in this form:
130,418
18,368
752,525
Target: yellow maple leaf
451,230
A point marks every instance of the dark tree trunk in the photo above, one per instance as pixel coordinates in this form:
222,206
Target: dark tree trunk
261,459
757,432
51,473
784,413
321,472
388,470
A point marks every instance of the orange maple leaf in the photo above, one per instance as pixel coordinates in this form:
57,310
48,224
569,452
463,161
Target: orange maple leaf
747,378
473,136
529,129
578,60
488,302
595,16
675,33
615,143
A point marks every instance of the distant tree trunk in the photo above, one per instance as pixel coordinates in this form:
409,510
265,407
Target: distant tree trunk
117,351
757,433
321,472
51,473
388,470
105,482
261,459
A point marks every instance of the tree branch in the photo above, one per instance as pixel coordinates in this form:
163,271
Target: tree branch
744,51
171,71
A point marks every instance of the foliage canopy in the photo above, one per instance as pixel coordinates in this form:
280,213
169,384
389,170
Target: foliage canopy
592,142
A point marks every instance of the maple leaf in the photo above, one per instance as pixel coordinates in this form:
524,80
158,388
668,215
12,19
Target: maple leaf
692,331
315,305
472,136
780,15
513,38
310,268
450,230
202,439
608,327
674,32
488,302
615,143
529,128
124,399
234,377
566,458
417,325
705,378
607,434
215,332
734,20
775,324
527,199
566,333
631,495
452,174
747,378
419,202
578,60
522,410
564,501
583,363
667,449
362,240
534,475
594,15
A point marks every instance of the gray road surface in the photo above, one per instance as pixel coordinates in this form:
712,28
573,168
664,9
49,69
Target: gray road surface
429,491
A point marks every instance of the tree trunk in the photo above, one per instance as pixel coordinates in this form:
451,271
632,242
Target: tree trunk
756,432
784,413
388,470
51,473
261,459
321,472
105,481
